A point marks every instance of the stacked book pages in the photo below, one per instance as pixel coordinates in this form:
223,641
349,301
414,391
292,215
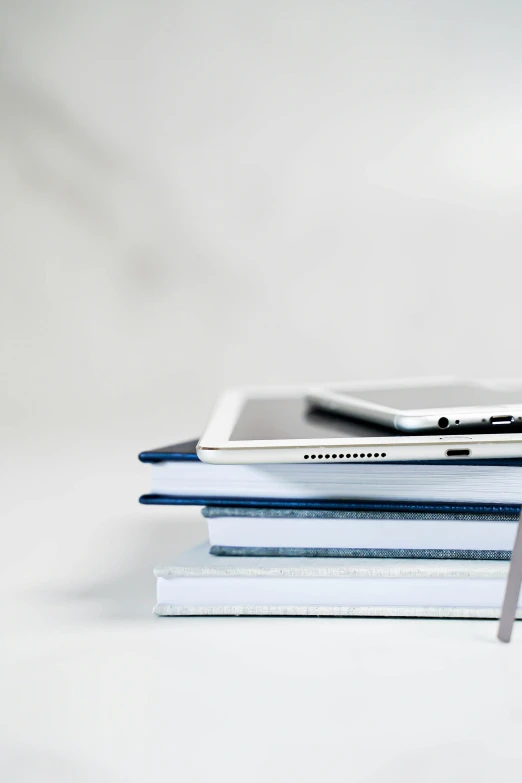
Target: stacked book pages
374,539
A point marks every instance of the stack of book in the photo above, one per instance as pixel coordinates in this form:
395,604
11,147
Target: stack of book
380,539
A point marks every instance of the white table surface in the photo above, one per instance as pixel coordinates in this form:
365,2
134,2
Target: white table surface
95,688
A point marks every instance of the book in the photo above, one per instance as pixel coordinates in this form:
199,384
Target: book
197,583
178,477
284,532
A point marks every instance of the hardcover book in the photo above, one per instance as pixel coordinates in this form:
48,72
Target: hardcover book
179,478
197,583
284,532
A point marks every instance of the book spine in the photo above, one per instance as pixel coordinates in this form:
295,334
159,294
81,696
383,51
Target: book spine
422,554
355,505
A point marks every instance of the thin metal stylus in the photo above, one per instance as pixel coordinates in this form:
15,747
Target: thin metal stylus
514,580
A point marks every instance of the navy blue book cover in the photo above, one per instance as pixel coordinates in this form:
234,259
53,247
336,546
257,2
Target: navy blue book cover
186,451
175,453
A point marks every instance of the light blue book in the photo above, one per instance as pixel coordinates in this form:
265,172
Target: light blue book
284,532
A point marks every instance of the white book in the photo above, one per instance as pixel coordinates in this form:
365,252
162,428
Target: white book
198,583
453,483
269,531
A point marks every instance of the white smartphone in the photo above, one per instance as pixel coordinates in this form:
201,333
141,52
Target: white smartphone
277,425
423,405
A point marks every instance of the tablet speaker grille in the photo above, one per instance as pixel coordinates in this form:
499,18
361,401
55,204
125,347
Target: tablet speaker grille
342,455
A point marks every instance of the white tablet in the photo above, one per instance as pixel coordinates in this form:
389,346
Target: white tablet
277,425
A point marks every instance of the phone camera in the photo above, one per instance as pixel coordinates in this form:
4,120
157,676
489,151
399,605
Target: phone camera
443,422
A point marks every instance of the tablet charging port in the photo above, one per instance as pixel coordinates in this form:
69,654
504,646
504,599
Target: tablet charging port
501,420
458,453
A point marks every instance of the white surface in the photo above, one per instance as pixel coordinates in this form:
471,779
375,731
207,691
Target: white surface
200,194
361,533
94,688
416,483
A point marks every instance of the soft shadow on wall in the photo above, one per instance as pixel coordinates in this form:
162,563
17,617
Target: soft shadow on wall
199,194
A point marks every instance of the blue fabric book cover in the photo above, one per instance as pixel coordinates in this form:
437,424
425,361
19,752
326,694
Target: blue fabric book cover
240,532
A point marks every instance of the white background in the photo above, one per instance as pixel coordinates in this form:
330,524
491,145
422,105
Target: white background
198,194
